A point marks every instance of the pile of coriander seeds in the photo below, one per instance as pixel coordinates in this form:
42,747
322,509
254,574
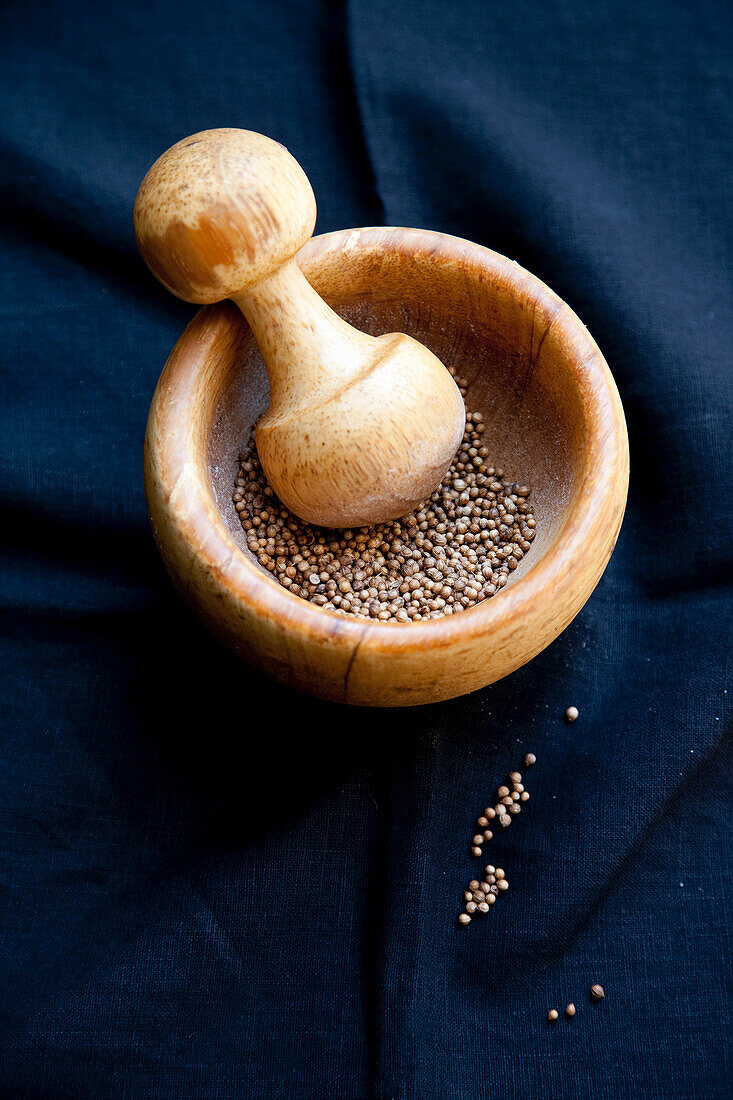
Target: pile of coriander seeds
479,896
455,551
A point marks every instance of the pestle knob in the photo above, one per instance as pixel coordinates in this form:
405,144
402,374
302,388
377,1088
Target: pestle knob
360,429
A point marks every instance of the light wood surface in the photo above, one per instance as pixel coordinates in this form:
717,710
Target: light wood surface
359,428
554,421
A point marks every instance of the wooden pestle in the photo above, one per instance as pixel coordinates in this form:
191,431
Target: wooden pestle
359,429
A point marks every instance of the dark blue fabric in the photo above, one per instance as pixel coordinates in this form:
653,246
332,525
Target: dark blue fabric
211,887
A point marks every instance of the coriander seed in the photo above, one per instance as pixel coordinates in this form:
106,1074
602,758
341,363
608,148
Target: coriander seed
571,714
456,549
530,759
464,919
598,992
552,1014
570,1010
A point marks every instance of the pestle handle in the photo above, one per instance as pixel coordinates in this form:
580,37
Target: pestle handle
221,210
309,350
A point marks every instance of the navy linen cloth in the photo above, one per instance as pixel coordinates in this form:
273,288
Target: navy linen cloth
213,887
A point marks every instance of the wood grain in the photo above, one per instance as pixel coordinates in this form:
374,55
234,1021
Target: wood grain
554,421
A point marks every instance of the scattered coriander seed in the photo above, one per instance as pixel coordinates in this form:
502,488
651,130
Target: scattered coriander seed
598,992
464,919
481,895
552,1014
530,759
453,551
571,714
570,1010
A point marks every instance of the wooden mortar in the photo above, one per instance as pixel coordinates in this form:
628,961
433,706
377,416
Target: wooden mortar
554,421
